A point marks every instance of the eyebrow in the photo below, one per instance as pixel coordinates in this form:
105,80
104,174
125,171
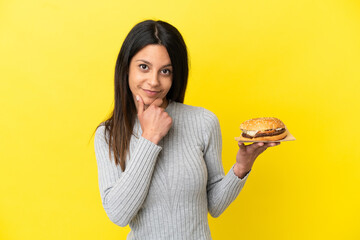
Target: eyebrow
147,62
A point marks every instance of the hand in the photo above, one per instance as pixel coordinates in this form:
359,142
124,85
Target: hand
154,121
246,156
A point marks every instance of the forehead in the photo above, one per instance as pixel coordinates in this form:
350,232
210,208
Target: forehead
153,53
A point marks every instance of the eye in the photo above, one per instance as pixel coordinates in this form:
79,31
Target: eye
143,67
166,71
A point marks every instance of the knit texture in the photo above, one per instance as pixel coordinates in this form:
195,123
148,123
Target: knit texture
167,190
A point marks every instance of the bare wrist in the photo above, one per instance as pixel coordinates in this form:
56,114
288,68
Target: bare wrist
240,171
154,139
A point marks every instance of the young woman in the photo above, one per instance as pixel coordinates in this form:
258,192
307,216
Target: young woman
159,160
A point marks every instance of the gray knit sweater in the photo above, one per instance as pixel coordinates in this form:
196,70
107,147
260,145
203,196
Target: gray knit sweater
167,190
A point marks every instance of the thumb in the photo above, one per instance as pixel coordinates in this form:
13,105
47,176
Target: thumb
140,104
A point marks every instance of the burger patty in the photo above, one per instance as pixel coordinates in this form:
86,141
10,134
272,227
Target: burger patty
263,134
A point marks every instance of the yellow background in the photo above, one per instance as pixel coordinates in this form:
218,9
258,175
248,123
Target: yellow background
295,60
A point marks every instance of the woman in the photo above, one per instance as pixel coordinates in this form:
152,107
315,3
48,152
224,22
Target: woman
167,172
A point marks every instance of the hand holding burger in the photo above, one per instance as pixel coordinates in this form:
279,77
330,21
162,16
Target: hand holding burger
257,129
246,156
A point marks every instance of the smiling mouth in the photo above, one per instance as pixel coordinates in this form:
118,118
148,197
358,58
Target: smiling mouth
151,93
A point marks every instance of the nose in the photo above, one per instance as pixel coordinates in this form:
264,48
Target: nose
153,80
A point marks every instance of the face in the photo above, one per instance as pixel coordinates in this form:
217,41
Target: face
150,74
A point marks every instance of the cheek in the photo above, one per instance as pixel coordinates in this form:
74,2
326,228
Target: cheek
131,84
133,81
133,88
167,84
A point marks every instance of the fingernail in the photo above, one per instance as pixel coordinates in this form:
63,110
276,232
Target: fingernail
137,98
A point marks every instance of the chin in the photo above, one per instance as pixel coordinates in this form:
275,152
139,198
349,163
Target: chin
148,101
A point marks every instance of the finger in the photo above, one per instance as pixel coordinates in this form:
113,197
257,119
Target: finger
272,144
241,145
275,144
255,145
264,145
140,104
260,150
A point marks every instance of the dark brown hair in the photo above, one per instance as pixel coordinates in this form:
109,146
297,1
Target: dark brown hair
119,126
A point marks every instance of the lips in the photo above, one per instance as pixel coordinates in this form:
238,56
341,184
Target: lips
151,93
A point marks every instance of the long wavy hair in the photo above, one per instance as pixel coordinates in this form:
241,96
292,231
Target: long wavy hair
119,127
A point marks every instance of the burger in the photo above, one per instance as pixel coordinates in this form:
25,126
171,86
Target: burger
263,129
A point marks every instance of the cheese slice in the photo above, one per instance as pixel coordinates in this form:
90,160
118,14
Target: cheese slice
252,133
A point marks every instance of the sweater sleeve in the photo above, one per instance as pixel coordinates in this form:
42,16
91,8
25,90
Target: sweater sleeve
221,189
123,193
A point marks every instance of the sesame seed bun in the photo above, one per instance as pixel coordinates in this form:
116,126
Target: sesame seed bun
261,124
